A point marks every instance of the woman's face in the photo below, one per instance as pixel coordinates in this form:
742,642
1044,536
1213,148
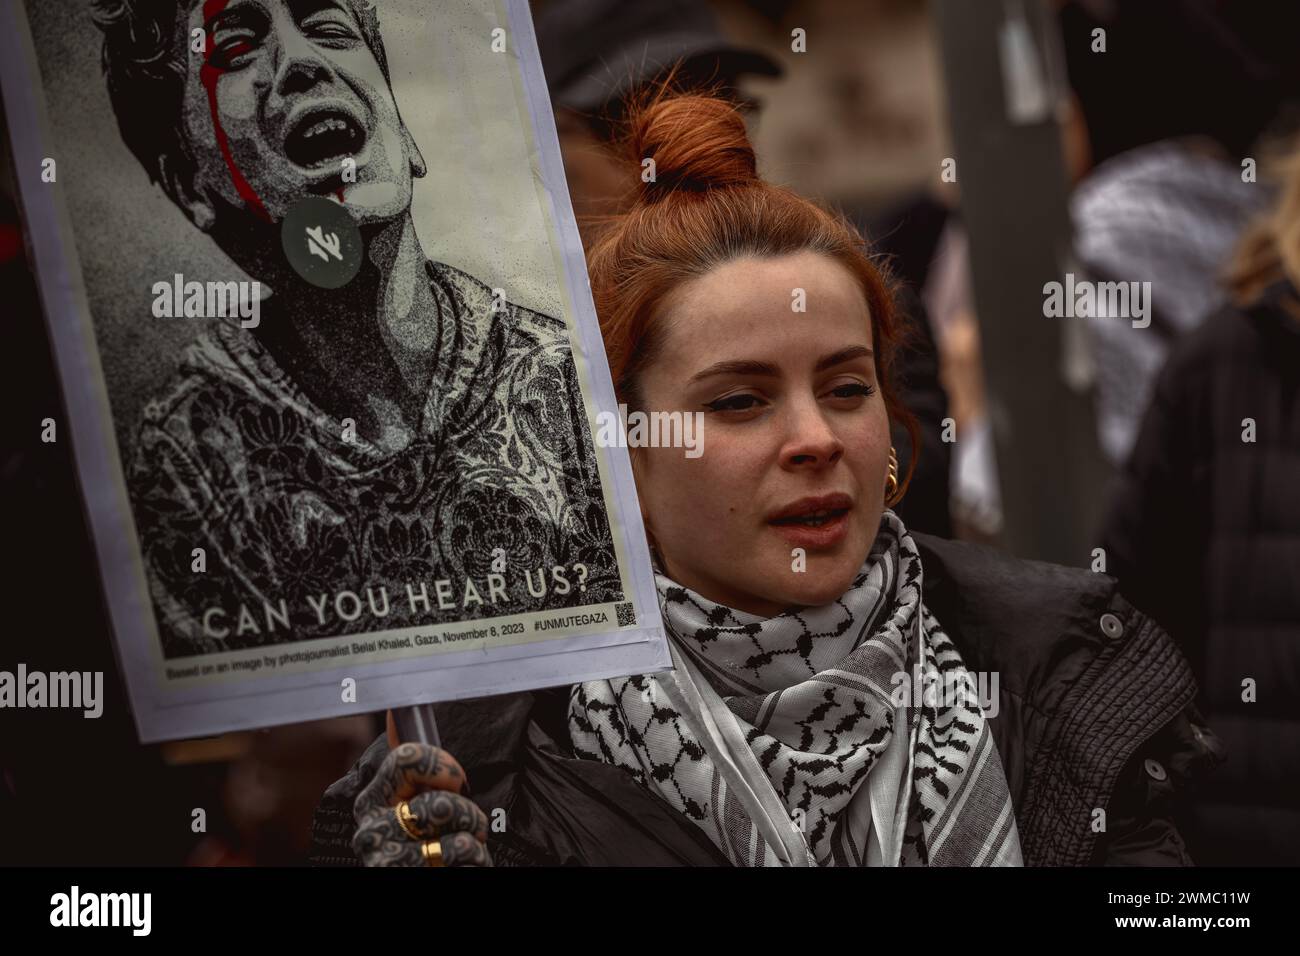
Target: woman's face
783,505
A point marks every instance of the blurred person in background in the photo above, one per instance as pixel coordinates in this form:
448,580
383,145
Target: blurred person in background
1204,535
598,54
1179,98
1168,213
1153,138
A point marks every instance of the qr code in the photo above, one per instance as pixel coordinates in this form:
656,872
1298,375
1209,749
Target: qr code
626,613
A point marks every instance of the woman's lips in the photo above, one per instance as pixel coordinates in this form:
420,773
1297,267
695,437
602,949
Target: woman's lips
828,534
816,522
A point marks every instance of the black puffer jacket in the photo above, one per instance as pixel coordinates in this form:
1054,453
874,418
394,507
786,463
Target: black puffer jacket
1094,715
1204,535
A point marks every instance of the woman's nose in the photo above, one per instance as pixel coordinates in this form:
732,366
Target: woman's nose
811,442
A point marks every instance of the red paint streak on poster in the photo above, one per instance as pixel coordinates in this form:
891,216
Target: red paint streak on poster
208,76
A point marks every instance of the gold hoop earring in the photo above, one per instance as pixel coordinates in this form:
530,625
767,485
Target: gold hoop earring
891,479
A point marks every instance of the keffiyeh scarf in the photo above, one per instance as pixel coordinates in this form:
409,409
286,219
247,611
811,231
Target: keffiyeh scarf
800,740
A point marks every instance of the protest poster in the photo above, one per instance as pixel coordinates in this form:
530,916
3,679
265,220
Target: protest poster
328,353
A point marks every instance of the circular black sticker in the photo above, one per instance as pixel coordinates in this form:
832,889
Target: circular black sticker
321,242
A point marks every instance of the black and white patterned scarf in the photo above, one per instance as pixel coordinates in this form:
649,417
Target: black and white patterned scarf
790,740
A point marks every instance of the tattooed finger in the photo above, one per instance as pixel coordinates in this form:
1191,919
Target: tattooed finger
380,841
409,769
462,849
437,812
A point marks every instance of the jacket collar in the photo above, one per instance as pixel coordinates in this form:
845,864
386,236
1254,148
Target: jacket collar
1085,680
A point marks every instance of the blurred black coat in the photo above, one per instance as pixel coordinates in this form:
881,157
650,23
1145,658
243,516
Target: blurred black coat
1093,715
1204,535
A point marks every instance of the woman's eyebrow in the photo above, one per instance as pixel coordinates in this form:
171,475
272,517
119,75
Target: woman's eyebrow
843,355
755,367
736,367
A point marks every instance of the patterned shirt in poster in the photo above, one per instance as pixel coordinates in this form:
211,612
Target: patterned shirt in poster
300,519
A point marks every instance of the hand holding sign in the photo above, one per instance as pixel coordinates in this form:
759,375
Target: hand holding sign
413,813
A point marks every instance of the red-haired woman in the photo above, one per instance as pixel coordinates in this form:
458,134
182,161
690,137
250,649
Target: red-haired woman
825,705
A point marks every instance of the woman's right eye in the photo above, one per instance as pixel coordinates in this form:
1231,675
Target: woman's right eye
734,403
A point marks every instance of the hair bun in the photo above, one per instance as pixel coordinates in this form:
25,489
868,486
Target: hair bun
696,143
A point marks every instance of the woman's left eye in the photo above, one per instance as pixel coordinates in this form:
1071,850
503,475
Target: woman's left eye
734,403
852,390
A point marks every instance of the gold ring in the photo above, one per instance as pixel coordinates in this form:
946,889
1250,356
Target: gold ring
406,819
432,853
